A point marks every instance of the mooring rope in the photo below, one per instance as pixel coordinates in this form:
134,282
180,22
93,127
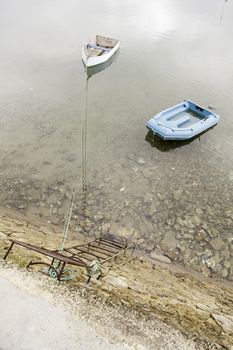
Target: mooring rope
84,153
68,273
93,268
84,174
84,141
53,270
67,221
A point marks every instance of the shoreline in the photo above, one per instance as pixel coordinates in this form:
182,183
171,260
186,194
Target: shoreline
199,307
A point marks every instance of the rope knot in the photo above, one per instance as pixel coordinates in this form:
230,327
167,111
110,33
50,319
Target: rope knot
93,268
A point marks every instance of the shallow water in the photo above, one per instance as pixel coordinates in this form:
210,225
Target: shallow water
176,196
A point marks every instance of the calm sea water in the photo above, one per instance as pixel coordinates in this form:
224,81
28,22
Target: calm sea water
176,196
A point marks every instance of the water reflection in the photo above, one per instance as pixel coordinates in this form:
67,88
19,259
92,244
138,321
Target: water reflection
163,145
223,8
168,146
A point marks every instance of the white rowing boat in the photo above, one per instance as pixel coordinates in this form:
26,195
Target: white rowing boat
99,51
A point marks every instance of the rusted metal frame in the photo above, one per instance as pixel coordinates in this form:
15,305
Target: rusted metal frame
94,247
43,251
93,254
8,250
90,244
110,244
85,258
116,255
134,247
126,247
78,252
68,251
103,248
78,248
38,263
97,249
113,244
105,255
46,264
61,271
130,246
96,254
58,265
100,242
117,242
46,252
79,245
109,241
84,244
112,238
123,246
87,251
89,277
115,249
74,255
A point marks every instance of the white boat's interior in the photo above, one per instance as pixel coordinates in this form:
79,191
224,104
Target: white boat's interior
101,46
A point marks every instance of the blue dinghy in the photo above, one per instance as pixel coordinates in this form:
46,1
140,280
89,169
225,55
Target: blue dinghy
182,122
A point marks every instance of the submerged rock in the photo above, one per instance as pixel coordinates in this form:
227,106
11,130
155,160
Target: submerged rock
160,257
71,157
217,243
199,211
196,220
213,232
119,282
169,241
22,206
178,194
150,172
224,272
225,321
206,272
141,161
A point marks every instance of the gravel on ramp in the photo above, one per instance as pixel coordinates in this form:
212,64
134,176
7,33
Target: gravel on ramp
29,322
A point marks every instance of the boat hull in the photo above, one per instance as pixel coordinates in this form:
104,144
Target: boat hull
182,122
99,67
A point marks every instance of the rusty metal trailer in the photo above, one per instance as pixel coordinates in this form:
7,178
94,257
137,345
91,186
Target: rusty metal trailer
106,251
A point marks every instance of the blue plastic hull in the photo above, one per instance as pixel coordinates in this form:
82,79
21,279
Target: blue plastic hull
182,122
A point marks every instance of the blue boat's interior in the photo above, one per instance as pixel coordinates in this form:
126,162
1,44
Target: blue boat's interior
184,115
